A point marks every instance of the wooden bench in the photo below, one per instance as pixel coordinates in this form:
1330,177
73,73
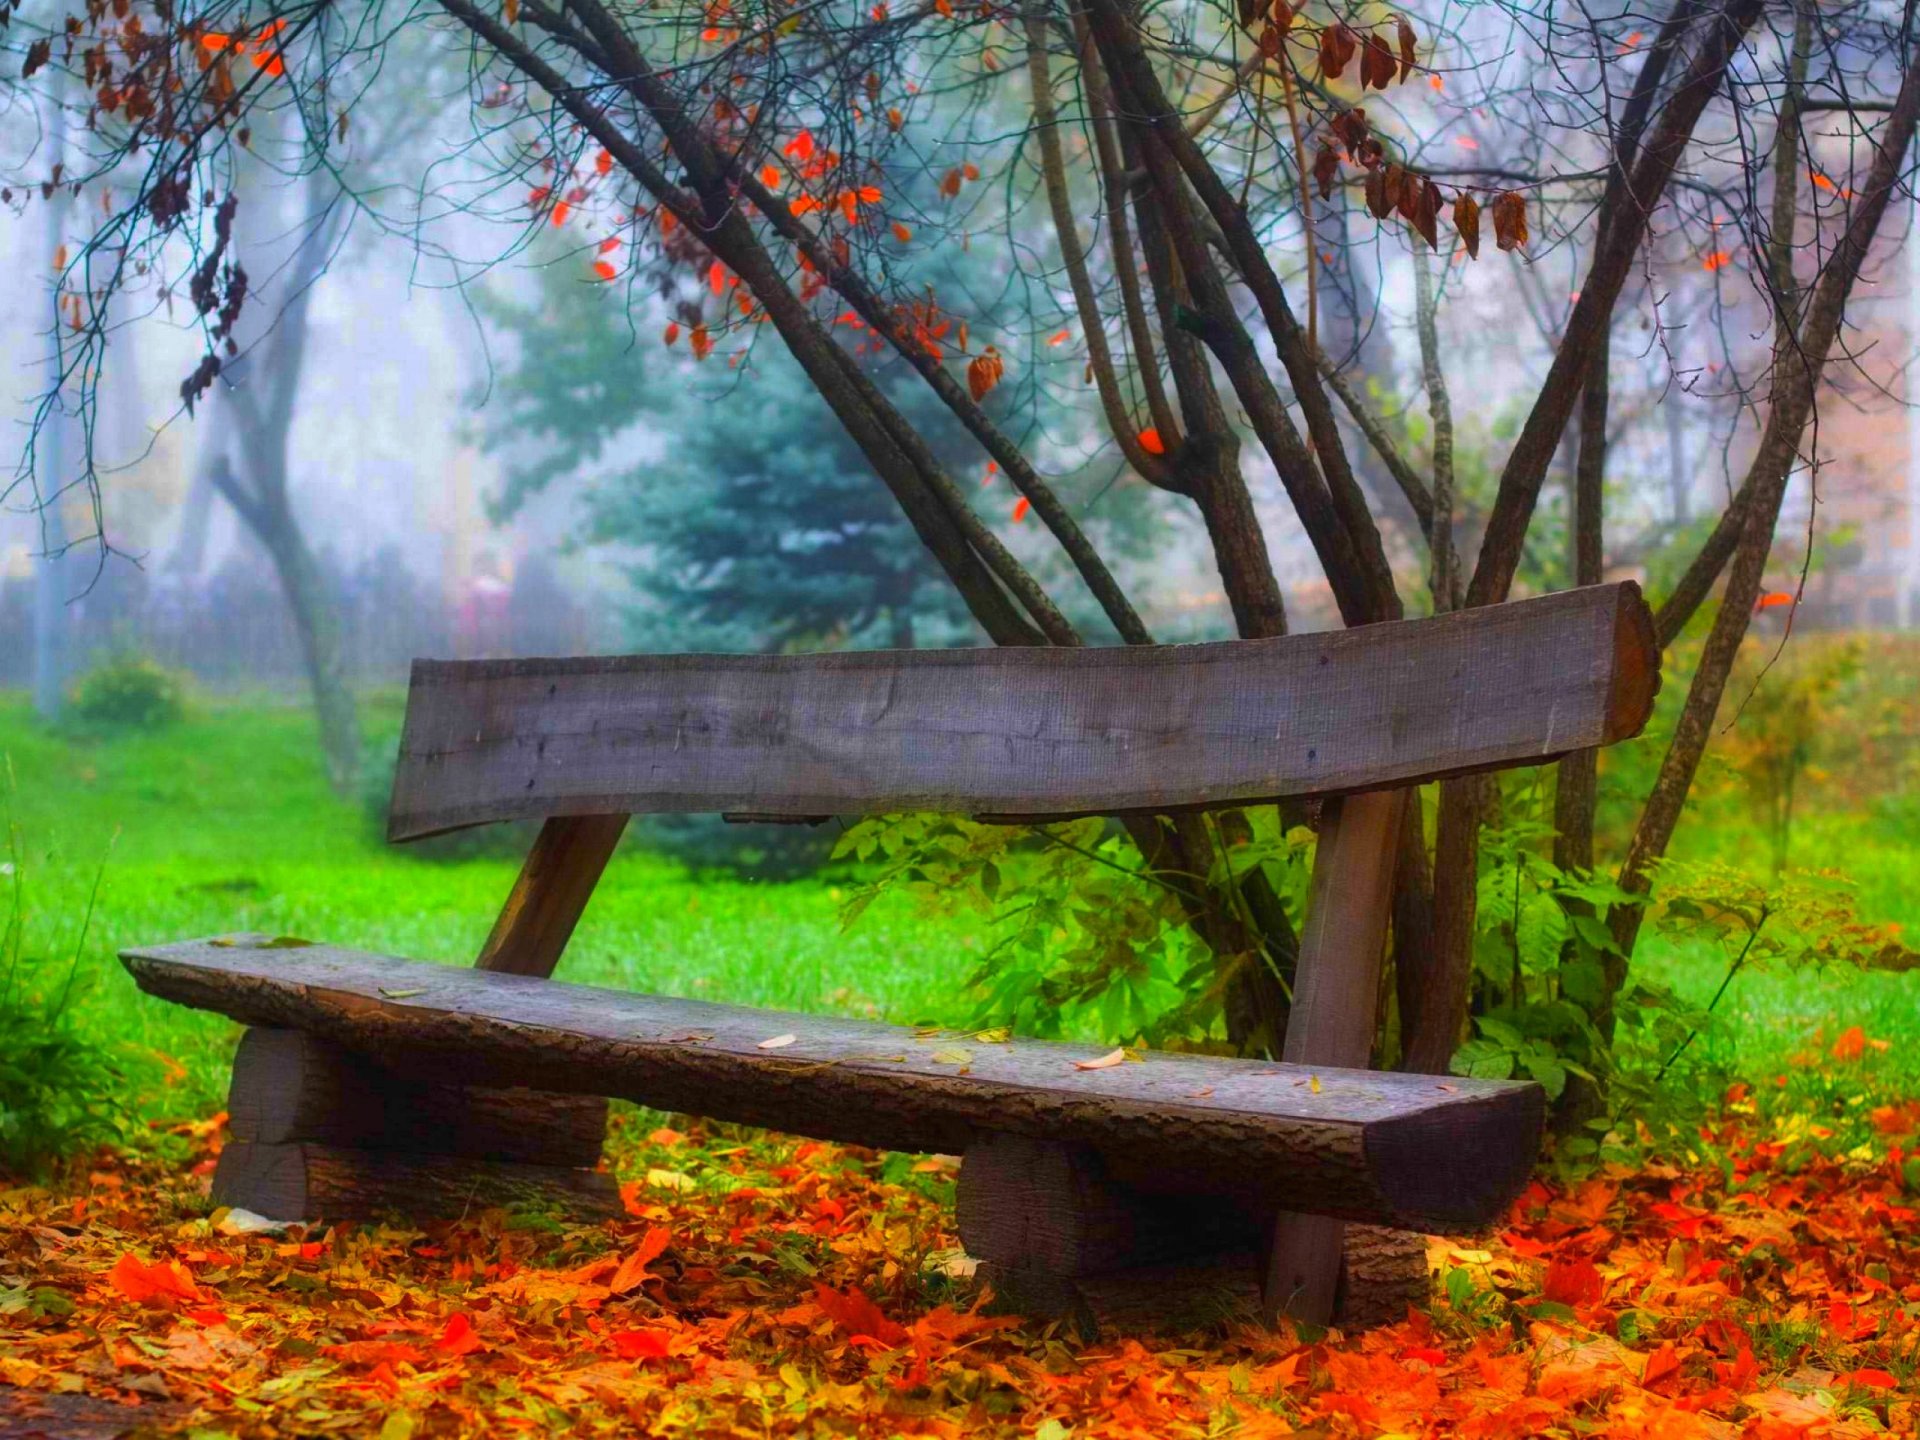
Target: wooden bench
370,1083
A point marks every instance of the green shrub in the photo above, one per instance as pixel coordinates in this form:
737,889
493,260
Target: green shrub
125,691
59,1090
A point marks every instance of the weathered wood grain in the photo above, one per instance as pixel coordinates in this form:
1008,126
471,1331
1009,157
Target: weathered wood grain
304,1181
552,890
1336,991
1019,731
288,1086
1401,1149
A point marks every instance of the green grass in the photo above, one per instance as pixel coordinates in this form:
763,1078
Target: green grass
225,823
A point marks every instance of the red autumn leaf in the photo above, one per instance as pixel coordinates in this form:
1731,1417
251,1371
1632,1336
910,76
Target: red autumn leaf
1337,44
604,269
603,162
1715,260
1573,1282
701,342
970,170
1151,442
1376,63
537,196
984,373
856,1314
1466,220
159,1283
800,147
560,213
610,244
639,1344
1020,509
1510,220
1408,51
672,332
458,1337
901,232
1326,170
1662,1365
1872,1378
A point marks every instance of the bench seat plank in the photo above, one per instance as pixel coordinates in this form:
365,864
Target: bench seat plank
1019,731
1409,1150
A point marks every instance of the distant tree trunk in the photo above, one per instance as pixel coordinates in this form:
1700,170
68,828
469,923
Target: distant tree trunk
250,471
314,622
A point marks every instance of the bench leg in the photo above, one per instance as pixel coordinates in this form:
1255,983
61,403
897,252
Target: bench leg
1057,1236
321,1133
1335,995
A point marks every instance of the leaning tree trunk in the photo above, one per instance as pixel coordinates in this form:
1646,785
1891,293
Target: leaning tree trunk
317,629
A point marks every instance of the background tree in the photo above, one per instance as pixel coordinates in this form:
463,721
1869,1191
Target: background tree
761,144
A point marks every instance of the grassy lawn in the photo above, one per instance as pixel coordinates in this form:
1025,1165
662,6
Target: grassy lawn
224,823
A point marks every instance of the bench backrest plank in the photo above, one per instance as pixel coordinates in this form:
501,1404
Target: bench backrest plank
1025,732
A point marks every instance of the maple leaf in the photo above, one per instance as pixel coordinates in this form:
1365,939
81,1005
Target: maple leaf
984,373
1573,1282
632,1270
854,1312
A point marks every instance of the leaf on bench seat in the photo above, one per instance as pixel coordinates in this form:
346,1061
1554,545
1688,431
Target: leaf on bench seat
778,1042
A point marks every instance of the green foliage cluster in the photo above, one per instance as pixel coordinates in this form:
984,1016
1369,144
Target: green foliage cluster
127,691
1079,935
59,1090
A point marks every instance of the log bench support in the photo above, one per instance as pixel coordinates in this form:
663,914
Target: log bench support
320,1133
1057,1234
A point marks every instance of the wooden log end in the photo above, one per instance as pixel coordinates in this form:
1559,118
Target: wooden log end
308,1181
1456,1168
1636,666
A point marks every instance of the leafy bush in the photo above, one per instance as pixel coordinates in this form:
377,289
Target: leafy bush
126,691
58,1089
1083,941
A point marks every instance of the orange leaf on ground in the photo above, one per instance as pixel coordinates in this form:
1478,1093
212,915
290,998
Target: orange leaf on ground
1573,1282
158,1283
639,1344
856,1314
633,1269
458,1337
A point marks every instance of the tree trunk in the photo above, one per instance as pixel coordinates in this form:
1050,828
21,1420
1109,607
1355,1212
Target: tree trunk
318,632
